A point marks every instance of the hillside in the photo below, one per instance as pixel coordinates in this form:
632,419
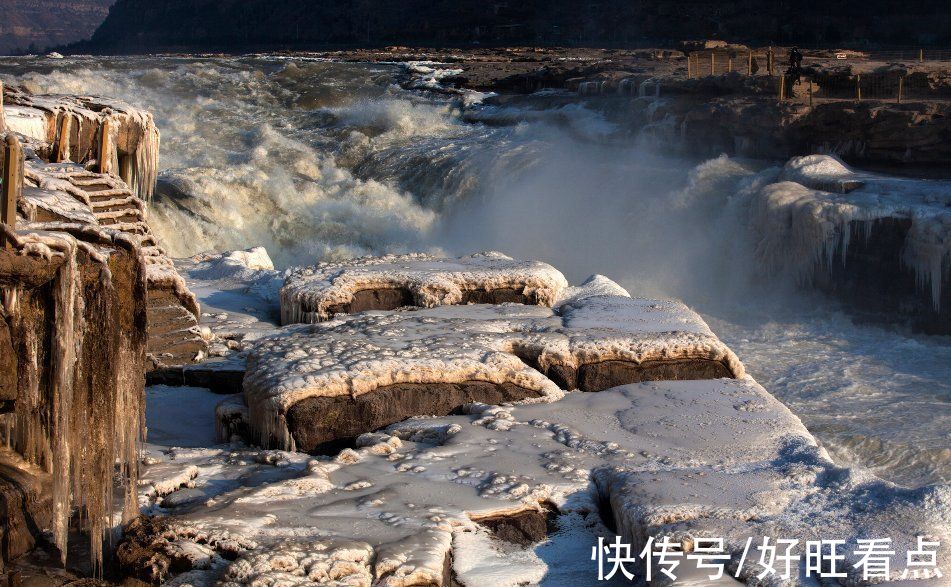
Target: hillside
136,26
35,25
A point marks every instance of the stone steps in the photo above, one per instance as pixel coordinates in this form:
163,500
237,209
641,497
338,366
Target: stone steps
172,313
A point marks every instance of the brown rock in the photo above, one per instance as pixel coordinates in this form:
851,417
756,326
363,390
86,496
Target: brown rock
142,552
523,528
25,506
322,423
386,299
608,374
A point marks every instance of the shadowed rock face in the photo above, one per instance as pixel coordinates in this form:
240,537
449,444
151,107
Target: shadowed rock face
391,299
608,374
25,508
879,286
325,423
375,299
523,528
48,23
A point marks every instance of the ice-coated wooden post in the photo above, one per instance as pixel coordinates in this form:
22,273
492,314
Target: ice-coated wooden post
769,60
729,65
921,55
689,66
782,88
62,148
3,117
901,87
105,146
858,87
12,182
749,63
713,62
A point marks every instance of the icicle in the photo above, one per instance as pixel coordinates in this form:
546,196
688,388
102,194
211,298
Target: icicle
86,423
62,364
145,173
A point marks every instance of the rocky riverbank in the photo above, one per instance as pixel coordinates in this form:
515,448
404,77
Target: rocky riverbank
418,419
81,275
701,114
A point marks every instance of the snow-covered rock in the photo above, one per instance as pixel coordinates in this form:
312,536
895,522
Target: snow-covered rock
241,265
677,458
509,352
807,220
313,294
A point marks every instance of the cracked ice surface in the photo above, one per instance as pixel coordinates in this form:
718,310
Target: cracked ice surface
804,217
354,355
310,292
710,457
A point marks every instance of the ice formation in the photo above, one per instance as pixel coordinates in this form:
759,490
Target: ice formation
313,294
407,502
524,346
672,458
79,405
72,125
807,218
68,192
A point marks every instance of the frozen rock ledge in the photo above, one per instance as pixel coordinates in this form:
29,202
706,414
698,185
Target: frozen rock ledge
315,294
310,387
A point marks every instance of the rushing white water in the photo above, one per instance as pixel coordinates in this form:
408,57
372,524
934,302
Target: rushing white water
313,159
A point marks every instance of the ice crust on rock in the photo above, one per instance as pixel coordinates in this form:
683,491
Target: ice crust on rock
41,117
354,355
704,457
596,285
87,438
310,294
806,218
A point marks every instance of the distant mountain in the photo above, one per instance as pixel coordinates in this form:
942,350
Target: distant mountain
34,25
138,26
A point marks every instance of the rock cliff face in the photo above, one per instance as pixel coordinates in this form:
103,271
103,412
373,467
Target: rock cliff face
73,321
141,25
34,25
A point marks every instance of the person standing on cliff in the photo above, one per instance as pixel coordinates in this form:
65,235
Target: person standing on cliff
795,58
794,73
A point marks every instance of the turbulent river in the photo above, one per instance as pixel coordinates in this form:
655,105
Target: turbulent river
319,160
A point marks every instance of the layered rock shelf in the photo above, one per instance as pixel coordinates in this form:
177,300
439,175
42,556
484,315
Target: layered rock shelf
312,385
70,129
313,294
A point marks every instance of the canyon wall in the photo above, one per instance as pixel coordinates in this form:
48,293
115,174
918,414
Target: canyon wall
35,25
136,26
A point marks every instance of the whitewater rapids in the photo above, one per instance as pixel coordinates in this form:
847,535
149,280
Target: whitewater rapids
317,160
